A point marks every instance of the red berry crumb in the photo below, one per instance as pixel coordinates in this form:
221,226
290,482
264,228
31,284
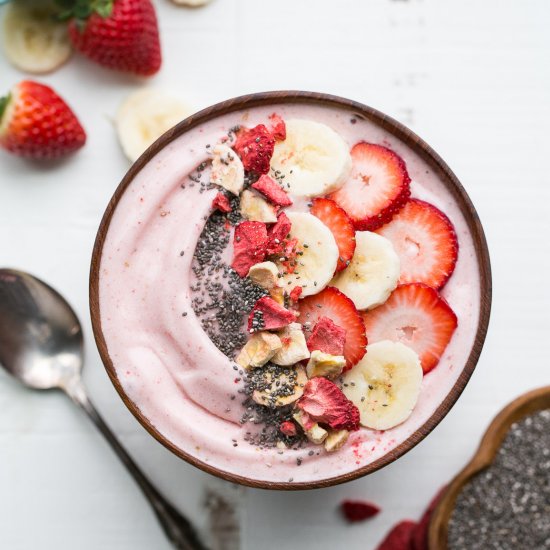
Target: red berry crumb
255,148
249,246
288,428
327,337
267,314
278,127
295,293
358,510
272,191
221,202
325,403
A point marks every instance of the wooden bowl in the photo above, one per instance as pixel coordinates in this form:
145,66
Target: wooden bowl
527,404
419,147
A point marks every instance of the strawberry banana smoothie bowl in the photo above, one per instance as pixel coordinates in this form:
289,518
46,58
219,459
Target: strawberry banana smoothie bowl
286,293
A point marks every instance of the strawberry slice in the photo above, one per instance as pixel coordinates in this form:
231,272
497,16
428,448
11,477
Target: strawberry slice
341,226
335,305
377,188
425,241
416,315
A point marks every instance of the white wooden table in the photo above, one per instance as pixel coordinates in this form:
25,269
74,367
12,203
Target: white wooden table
471,77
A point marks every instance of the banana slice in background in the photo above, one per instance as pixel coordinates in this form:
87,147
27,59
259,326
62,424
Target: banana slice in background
385,384
373,272
313,159
33,40
144,116
316,263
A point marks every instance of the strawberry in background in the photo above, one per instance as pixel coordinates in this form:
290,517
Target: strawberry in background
36,123
118,34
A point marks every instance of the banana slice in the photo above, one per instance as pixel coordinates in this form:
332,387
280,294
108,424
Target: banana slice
293,346
227,169
313,159
34,41
256,209
373,272
144,116
317,255
385,384
278,386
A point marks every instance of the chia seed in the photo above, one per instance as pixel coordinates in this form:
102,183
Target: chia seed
269,416
507,506
222,300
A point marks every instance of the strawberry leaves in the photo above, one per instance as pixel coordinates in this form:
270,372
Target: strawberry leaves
82,9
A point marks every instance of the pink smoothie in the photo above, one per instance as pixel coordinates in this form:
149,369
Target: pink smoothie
167,364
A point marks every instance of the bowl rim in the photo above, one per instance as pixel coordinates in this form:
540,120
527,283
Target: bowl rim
359,110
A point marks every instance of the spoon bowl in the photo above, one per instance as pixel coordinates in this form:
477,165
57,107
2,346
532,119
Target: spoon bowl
41,341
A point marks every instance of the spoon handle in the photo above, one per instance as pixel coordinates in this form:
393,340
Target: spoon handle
177,528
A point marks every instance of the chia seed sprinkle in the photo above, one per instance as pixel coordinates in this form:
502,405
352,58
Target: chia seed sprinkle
269,417
222,300
507,506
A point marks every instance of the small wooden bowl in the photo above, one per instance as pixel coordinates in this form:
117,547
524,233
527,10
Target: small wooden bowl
524,405
422,149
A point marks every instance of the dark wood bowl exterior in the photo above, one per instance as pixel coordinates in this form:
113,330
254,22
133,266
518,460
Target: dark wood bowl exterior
524,405
412,140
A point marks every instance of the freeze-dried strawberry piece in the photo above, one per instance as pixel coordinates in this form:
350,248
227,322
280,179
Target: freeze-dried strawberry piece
277,233
400,537
358,510
325,403
221,202
278,127
288,253
288,428
327,337
270,189
267,314
255,148
295,293
249,246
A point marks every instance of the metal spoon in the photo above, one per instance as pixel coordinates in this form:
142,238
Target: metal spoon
41,345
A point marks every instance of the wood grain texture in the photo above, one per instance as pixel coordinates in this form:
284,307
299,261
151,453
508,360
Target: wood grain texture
524,405
417,145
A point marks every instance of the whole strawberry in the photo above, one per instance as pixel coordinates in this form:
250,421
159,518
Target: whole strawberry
36,123
118,34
